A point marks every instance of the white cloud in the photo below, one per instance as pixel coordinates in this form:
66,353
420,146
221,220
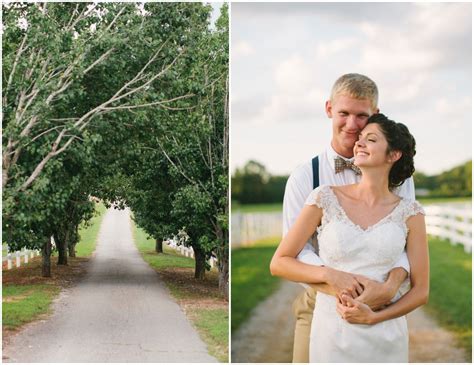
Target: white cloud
242,48
418,54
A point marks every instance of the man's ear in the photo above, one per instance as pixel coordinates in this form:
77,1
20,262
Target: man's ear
394,156
329,109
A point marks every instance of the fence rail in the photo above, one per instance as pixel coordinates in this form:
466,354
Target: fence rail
188,251
250,227
450,222
17,255
453,224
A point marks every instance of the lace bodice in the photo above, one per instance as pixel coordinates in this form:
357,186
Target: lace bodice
347,246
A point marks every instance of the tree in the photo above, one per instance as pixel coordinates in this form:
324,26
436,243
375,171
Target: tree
48,63
199,156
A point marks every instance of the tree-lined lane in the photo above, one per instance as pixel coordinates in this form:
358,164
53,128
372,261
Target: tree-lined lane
120,312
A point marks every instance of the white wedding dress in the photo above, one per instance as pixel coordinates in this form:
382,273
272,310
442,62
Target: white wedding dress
372,252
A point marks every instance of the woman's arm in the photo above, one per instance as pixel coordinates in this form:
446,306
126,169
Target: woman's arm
284,263
417,250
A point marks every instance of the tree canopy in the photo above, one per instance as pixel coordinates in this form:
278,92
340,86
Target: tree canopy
125,102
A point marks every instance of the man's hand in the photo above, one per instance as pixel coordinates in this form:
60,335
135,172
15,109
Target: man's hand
343,283
377,295
354,311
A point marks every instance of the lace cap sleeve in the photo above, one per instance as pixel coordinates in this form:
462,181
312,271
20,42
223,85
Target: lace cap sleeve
318,197
414,208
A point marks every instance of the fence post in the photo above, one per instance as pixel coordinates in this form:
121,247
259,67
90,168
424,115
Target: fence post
9,261
26,256
17,258
32,254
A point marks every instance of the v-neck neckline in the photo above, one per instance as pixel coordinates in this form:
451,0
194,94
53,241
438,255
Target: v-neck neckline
358,225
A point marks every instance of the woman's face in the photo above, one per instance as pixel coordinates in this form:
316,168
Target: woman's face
371,147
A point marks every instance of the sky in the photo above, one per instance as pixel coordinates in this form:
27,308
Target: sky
285,58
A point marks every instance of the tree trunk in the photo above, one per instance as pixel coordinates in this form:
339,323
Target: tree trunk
223,262
224,275
46,252
72,240
159,245
61,243
72,249
200,263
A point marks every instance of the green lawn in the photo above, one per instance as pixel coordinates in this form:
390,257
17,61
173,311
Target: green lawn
170,258
89,232
444,200
257,208
211,323
251,279
23,303
451,289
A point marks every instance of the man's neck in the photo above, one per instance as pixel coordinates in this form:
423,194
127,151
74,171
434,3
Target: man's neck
342,152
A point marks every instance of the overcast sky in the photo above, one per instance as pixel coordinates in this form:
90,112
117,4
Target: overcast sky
285,58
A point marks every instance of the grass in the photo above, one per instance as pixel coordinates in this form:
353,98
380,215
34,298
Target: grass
213,325
465,199
22,303
169,259
200,299
257,208
251,279
90,232
26,295
451,290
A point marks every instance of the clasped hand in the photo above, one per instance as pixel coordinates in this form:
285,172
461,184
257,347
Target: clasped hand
358,297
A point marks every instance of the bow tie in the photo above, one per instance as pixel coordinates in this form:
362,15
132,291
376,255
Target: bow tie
340,164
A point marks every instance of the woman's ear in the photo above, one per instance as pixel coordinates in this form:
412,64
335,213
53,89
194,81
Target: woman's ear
394,156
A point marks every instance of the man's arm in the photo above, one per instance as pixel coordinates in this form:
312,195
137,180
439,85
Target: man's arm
297,190
376,294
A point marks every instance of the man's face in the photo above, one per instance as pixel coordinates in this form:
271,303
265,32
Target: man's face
349,116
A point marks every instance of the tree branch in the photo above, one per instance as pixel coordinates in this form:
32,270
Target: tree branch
100,59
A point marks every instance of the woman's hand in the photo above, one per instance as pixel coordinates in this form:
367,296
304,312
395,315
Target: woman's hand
354,311
343,283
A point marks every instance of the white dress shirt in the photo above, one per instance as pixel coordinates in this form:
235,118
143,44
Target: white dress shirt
300,185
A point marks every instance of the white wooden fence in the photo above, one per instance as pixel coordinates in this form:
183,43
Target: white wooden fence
450,221
187,251
250,227
17,255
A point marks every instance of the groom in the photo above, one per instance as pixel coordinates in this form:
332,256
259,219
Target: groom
353,100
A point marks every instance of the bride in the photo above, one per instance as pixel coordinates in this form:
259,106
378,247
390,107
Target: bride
362,229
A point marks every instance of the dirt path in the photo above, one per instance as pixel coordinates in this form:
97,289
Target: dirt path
268,335
120,312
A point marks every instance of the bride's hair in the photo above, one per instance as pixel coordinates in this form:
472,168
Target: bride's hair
400,139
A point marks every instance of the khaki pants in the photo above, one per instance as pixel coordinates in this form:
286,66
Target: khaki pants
303,308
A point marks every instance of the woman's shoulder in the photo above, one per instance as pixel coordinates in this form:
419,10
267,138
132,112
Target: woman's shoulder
412,207
319,196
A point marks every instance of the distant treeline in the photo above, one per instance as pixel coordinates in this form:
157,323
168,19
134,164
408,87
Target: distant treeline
451,183
253,184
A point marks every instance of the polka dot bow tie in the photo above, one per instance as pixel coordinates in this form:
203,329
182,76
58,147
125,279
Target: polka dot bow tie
340,164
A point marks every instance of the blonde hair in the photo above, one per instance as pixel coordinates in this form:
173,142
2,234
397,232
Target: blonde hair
356,86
